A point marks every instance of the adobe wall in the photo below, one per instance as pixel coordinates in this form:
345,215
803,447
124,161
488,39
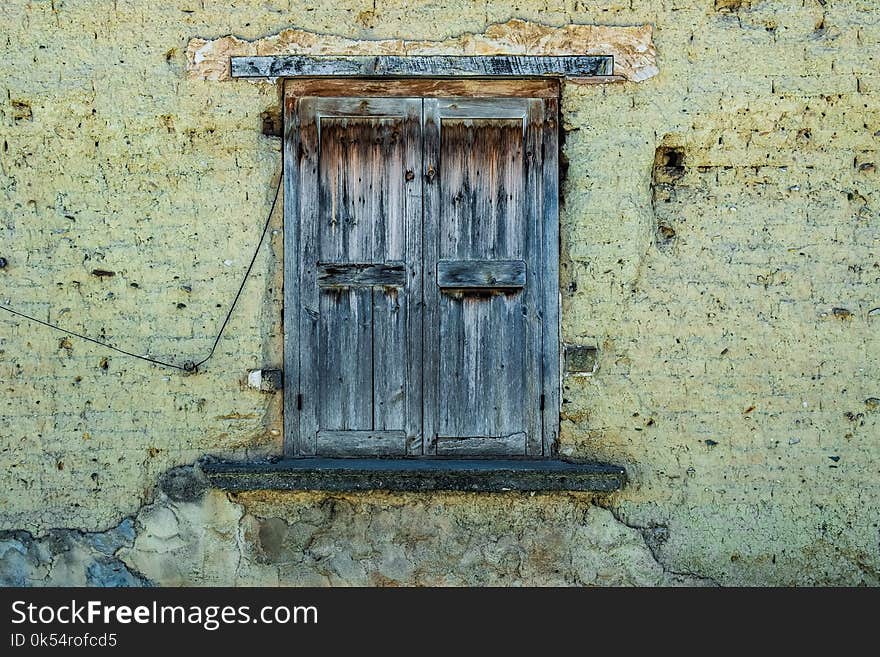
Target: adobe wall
719,249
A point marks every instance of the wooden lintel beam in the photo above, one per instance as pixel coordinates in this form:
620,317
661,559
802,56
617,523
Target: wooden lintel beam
286,66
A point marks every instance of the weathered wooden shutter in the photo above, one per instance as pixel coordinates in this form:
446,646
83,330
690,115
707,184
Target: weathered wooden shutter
483,276
421,285
360,211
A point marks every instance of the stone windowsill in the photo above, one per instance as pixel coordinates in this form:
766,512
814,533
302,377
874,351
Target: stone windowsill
478,475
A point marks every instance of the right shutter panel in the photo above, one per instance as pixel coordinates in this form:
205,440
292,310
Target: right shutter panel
483,283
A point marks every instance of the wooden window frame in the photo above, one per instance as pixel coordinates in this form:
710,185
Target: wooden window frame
547,89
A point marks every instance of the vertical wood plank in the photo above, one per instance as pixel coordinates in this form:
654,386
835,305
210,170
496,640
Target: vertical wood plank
430,294
309,308
413,209
345,348
292,385
456,373
390,304
390,311
550,255
348,186
506,366
458,223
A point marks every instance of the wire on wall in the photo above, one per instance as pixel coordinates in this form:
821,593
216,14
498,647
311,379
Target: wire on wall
187,366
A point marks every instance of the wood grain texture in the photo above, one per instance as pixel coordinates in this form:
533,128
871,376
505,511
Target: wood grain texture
425,88
425,273
495,109
550,352
356,162
361,275
413,200
487,274
481,377
306,222
430,256
293,442
345,359
389,355
280,66
535,289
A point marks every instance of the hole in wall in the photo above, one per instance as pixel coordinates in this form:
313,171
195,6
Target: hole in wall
271,122
668,169
668,163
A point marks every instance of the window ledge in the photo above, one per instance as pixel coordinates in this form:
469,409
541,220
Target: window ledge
480,475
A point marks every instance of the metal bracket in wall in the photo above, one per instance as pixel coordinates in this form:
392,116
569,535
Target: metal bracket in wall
285,66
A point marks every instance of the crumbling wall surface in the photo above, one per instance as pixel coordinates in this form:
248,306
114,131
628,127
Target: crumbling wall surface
719,249
309,539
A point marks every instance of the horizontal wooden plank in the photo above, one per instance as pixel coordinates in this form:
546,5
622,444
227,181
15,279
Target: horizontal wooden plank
599,79
479,108
483,274
280,66
361,275
354,107
361,443
426,88
512,445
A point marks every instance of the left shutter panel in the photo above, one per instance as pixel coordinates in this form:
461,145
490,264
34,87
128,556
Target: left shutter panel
360,276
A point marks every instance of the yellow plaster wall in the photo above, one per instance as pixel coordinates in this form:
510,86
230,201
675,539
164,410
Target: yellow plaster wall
734,302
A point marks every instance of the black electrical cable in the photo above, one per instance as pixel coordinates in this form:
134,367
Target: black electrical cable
246,274
188,366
